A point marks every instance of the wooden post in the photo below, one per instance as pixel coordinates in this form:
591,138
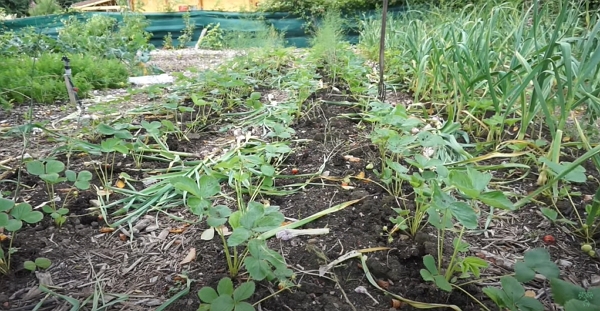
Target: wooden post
382,51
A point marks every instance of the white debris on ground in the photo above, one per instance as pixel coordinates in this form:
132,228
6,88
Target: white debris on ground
148,80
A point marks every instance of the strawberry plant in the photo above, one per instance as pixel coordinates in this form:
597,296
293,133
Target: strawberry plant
12,217
50,172
226,298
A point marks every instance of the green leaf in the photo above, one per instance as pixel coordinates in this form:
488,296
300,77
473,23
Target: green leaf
530,304
105,129
35,168
563,291
465,214
269,222
33,217
6,204
430,264
54,167
204,307
225,287
82,184
71,175
523,273
578,305
29,265
267,170
234,219
62,211
257,268
3,219
497,295
256,247
244,306
463,183
238,236
51,178
84,176
496,199
244,291
254,213
550,213
198,206
20,211
222,303
13,225
209,186
576,175
207,294
513,289
442,283
42,262
186,184
539,260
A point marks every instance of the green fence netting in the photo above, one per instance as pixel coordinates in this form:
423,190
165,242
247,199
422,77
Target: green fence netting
163,23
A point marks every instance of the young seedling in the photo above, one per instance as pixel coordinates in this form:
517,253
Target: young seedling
39,263
12,217
226,298
50,172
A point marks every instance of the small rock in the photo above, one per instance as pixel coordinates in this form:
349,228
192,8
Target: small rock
357,194
94,224
95,203
77,221
564,263
595,279
79,226
151,228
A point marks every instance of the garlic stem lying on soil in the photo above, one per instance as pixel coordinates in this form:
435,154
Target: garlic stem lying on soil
292,233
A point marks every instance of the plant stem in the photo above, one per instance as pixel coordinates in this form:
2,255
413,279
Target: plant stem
272,295
227,256
472,297
453,258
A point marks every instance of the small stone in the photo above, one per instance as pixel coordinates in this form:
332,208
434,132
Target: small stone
79,226
595,279
564,263
77,221
94,224
95,203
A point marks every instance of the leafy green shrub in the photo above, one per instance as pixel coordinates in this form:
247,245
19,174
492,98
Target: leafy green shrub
45,7
97,35
21,78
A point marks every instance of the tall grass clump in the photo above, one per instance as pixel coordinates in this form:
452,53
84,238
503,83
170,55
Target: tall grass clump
335,60
497,66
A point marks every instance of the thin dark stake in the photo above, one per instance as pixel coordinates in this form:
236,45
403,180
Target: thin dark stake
382,51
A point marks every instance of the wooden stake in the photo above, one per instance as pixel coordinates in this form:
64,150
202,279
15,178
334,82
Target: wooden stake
382,51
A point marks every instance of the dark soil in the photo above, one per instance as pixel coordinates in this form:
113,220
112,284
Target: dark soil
148,270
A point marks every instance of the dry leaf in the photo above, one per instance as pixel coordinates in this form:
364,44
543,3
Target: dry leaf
120,183
177,230
351,158
190,256
530,293
3,237
103,192
383,284
360,175
107,229
208,234
347,187
122,237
